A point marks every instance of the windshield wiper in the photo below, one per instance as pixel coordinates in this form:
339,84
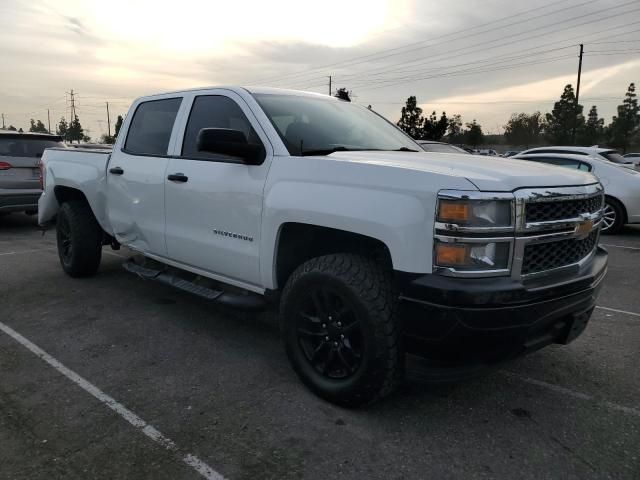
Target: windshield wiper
328,151
405,149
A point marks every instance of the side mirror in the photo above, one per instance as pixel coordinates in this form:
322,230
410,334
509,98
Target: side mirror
226,141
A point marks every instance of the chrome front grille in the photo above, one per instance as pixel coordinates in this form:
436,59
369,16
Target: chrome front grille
556,228
562,209
541,257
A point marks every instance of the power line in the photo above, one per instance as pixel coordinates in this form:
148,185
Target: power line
484,62
395,81
471,72
616,28
615,41
447,53
360,59
466,51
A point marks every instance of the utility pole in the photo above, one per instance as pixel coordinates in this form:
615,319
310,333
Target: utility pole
73,105
3,121
108,121
48,121
575,108
329,85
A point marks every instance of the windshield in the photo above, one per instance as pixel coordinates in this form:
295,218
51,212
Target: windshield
441,148
316,125
614,157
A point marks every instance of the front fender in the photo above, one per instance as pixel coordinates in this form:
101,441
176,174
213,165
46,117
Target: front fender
401,221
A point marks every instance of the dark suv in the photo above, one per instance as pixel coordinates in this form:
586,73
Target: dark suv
19,171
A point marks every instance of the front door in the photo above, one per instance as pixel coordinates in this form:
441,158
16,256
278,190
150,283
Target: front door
214,202
136,177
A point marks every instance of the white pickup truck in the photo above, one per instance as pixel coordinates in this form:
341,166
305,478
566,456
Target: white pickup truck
368,247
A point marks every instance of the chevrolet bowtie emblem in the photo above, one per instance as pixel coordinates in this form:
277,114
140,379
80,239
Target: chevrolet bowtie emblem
584,229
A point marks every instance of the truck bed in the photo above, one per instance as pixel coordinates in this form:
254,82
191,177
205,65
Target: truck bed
78,168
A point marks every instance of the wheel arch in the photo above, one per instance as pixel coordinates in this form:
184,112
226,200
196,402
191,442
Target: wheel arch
298,242
65,193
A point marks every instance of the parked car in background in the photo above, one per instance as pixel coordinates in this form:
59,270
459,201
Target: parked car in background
488,152
19,172
439,147
622,185
510,153
635,158
607,154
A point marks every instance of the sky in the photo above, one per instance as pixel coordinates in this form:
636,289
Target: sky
482,59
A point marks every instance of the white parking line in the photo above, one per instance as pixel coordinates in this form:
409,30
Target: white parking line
634,314
188,459
113,254
619,246
27,251
572,393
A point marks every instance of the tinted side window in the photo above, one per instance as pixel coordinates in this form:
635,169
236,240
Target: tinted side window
150,128
215,111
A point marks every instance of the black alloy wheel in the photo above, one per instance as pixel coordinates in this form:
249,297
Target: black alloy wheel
330,333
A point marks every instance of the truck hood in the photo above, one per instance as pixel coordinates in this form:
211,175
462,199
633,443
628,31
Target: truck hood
486,173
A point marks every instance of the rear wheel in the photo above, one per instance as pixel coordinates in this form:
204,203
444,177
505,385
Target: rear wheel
338,314
79,239
613,216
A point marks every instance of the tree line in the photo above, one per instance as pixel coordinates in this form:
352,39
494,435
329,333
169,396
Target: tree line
564,125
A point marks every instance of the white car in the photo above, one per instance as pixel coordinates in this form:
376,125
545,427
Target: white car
489,152
608,154
634,157
622,185
439,147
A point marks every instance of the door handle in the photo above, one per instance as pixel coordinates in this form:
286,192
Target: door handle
116,171
178,177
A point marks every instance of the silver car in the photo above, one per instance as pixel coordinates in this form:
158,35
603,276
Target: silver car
19,171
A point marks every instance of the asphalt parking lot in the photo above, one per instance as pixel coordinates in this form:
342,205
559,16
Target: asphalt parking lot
172,387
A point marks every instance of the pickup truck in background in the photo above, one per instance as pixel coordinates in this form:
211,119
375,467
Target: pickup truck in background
369,247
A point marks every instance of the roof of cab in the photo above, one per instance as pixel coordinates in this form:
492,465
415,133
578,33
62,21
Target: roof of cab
252,90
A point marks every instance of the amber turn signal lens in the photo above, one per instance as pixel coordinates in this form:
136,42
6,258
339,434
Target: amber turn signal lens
451,254
453,211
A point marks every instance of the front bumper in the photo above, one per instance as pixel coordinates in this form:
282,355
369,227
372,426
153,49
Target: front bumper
479,321
19,200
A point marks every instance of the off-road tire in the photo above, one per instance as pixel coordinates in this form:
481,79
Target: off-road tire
368,288
79,239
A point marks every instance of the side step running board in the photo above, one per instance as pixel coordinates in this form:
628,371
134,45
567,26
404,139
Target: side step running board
249,301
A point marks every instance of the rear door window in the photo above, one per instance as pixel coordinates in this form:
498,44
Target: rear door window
151,126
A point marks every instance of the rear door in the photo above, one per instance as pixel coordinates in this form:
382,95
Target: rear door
214,212
136,175
19,157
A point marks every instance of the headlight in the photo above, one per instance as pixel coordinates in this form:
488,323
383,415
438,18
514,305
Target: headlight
475,213
472,255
